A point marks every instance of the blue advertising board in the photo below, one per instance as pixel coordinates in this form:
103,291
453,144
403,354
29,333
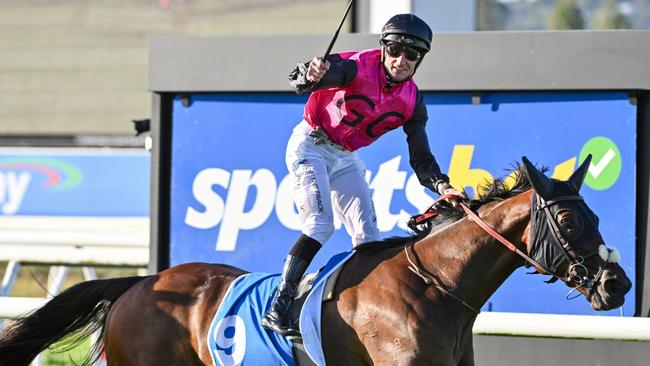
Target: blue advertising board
231,196
74,182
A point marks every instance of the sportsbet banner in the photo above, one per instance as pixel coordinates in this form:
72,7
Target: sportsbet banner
231,194
74,182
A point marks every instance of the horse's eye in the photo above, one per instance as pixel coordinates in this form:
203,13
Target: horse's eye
569,221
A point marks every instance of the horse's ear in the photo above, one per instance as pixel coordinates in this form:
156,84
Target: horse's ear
578,176
542,184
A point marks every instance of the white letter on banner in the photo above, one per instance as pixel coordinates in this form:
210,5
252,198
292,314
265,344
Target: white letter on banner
234,217
416,194
230,338
388,179
202,191
16,185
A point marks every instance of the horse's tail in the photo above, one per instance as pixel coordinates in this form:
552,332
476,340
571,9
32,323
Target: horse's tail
81,310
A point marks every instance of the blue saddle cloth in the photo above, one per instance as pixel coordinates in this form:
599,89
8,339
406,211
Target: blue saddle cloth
236,336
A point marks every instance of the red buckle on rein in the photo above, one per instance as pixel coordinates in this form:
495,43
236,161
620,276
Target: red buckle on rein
431,211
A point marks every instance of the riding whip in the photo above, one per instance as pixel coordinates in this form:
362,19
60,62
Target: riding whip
336,34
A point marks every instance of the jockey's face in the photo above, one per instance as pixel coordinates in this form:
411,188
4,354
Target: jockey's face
400,61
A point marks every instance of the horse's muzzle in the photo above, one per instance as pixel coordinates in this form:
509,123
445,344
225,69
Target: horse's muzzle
611,290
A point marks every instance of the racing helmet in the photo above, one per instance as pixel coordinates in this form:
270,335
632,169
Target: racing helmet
407,29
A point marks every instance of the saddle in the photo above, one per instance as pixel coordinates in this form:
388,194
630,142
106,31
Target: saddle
236,336
300,356
305,286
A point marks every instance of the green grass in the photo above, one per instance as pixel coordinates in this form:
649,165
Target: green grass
73,357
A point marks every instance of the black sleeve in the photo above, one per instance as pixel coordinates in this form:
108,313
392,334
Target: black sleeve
340,73
422,161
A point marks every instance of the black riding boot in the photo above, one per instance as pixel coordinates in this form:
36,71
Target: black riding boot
278,317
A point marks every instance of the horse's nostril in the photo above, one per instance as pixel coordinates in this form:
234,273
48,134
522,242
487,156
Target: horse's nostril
614,287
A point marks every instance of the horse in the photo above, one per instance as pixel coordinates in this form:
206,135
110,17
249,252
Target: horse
403,301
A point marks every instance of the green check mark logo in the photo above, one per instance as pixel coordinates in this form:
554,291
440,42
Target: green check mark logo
605,167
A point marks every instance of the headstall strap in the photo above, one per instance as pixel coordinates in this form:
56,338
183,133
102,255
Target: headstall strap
556,230
576,260
545,204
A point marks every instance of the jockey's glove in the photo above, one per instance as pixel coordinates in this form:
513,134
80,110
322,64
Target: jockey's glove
441,185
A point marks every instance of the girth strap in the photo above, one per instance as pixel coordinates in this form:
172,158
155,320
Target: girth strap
300,356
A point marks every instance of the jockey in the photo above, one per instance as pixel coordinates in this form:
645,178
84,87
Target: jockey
355,98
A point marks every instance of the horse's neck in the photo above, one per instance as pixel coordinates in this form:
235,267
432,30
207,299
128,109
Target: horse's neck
469,260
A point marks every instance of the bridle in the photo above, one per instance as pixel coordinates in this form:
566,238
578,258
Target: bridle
580,278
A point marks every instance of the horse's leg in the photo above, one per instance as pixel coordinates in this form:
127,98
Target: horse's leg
164,320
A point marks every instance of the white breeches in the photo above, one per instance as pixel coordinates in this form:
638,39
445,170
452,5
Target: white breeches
327,181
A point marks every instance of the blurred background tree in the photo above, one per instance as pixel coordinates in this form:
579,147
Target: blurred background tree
537,14
566,14
609,16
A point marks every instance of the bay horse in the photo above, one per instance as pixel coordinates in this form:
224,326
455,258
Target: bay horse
403,301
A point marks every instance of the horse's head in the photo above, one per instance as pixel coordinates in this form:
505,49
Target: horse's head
565,240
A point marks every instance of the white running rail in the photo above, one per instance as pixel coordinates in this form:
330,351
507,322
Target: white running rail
75,240
563,326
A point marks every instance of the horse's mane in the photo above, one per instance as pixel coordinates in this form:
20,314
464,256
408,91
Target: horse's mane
499,189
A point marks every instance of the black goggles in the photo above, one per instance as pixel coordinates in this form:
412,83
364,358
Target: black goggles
396,49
